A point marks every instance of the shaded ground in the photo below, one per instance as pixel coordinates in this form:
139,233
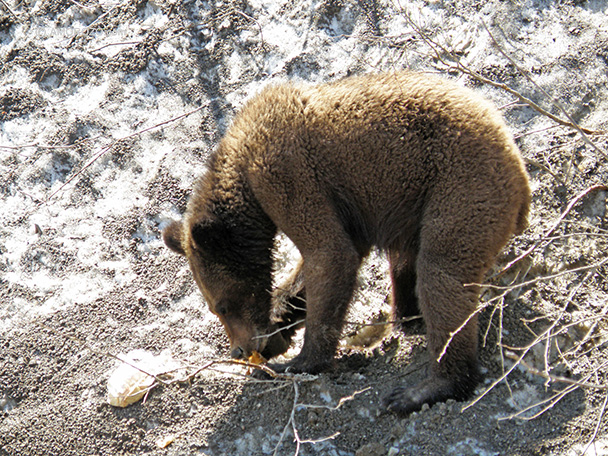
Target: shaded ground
92,170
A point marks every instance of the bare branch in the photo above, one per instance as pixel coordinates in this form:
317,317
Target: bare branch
464,69
572,123
109,147
340,402
559,220
555,378
9,10
540,279
598,424
125,43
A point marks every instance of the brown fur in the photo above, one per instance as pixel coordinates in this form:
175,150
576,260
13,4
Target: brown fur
414,165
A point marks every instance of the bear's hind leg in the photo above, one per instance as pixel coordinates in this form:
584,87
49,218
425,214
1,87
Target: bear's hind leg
403,281
445,304
288,313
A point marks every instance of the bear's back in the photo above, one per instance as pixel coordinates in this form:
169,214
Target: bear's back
396,136
377,146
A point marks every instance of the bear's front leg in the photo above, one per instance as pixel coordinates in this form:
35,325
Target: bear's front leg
329,279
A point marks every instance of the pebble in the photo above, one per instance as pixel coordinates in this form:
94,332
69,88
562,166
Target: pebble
371,449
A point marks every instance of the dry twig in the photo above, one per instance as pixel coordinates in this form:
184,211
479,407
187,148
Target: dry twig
125,43
551,401
597,426
110,146
554,378
436,47
9,10
549,232
92,24
292,418
168,378
571,122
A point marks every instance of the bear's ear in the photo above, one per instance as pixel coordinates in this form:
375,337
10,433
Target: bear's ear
223,242
172,235
210,235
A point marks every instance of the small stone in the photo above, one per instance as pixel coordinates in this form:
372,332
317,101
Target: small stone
393,451
371,449
442,409
313,417
397,431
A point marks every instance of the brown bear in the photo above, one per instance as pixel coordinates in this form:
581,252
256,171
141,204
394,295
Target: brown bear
409,163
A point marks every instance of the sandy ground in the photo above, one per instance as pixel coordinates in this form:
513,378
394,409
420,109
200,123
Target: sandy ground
108,112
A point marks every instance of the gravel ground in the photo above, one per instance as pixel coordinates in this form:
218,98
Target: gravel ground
108,112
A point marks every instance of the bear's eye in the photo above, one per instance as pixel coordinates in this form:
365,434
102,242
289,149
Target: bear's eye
222,311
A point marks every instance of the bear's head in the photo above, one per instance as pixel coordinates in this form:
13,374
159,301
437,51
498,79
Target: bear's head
233,271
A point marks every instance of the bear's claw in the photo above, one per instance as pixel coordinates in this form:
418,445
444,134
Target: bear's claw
403,400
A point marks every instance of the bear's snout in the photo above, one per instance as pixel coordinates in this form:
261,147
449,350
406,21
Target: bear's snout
269,346
243,337
244,348
237,353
